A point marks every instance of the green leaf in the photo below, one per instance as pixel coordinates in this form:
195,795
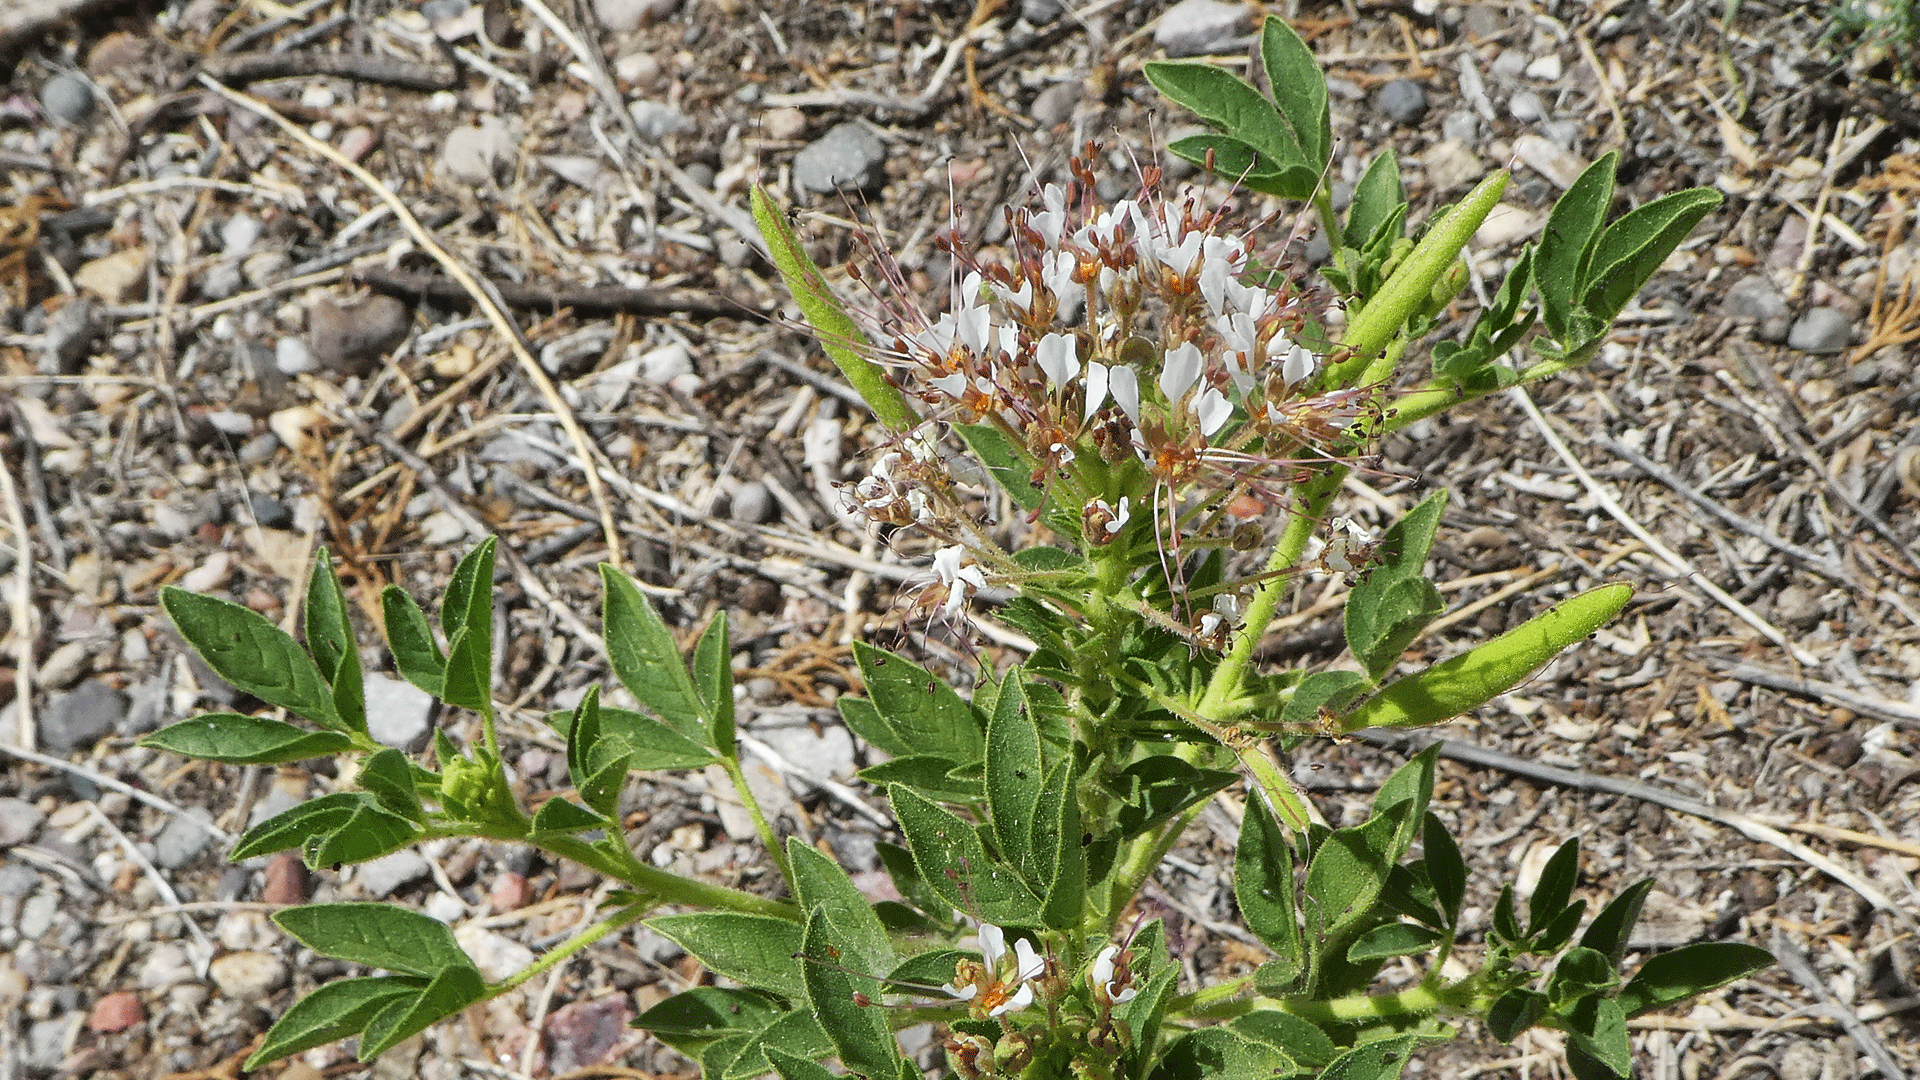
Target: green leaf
713,679
1554,936
1230,103
1346,876
821,884
929,774
1382,1059
1301,1039
330,640
1142,1015
368,834
1330,690
1014,772
1218,1053
1689,970
1581,971
862,717
1375,199
1597,1030
254,655
653,745
645,657
796,1033
377,935
410,638
1555,888
1506,925
1392,939
955,863
1480,674
450,991
706,1012
598,764
906,878
1514,1012
466,617
1446,868
923,712
335,1011
1263,881
1573,225
1635,246
927,971
1299,88
245,740
753,950
295,825
1012,469
791,1067
1610,930
1059,854
558,815
1394,601
388,777
839,335
860,1033
1159,787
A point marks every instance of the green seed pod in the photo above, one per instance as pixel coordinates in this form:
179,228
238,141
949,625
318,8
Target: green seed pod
1478,675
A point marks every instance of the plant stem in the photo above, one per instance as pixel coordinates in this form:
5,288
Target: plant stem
668,888
778,854
568,947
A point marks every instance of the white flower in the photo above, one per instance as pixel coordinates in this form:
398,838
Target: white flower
1117,516
1180,371
1055,355
1050,221
953,385
1027,965
1298,363
1021,298
1056,272
958,579
1096,388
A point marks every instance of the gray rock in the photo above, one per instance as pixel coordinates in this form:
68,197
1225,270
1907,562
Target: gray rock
249,975
81,717
1754,297
826,754
1485,20
474,154
46,1044
67,98
1402,100
37,914
1461,124
19,819
292,356
239,234
181,840
1198,27
222,281
352,339
17,880
389,872
1797,606
1450,164
1867,372
668,362
1055,104
1526,107
270,512
398,713
701,174
847,158
657,120
1821,330
436,10
753,504
69,337
1040,12
623,16
147,705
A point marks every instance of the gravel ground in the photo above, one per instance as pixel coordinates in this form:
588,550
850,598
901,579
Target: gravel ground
220,347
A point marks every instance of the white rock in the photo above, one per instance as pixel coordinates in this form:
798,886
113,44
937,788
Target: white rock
397,712
1195,27
239,234
167,965
1545,68
1557,165
382,876
291,356
476,154
496,955
660,366
248,976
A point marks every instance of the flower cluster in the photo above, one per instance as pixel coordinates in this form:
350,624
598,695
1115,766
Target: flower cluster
993,987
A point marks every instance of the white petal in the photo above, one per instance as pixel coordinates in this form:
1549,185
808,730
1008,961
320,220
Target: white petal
1029,964
1298,365
1102,971
974,327
1125,996
1021,298
993,944
954,385
1121,516
1021,998
1096,388
1214,276
1056,273
966,993
1179,371
946,563
1126,391
1214,410
1055,354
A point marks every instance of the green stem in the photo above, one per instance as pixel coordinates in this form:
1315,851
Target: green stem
1416,1001
731,763
565,949
1416,405
1330,224
667,888
1216,1002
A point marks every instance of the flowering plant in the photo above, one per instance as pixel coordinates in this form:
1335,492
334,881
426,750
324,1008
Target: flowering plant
1172,408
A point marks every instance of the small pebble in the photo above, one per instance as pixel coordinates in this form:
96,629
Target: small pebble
475,154
81,717
1055,104
1040,12
220,282
239,234
1797,606
270,512
1450,164
640,69
248,976
380,877
783,123
67,98
1546,68
19,820
117,1011
398,713
1526,107
585,1033
286,880
657,120
662,365
358,142
1754,297
753,504
510,893
1402,100
624,16
1461,124
1821,330
351,339
181,840
1199,27
847,158
291,356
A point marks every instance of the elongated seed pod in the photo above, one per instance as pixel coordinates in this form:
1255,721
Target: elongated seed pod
1478,675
